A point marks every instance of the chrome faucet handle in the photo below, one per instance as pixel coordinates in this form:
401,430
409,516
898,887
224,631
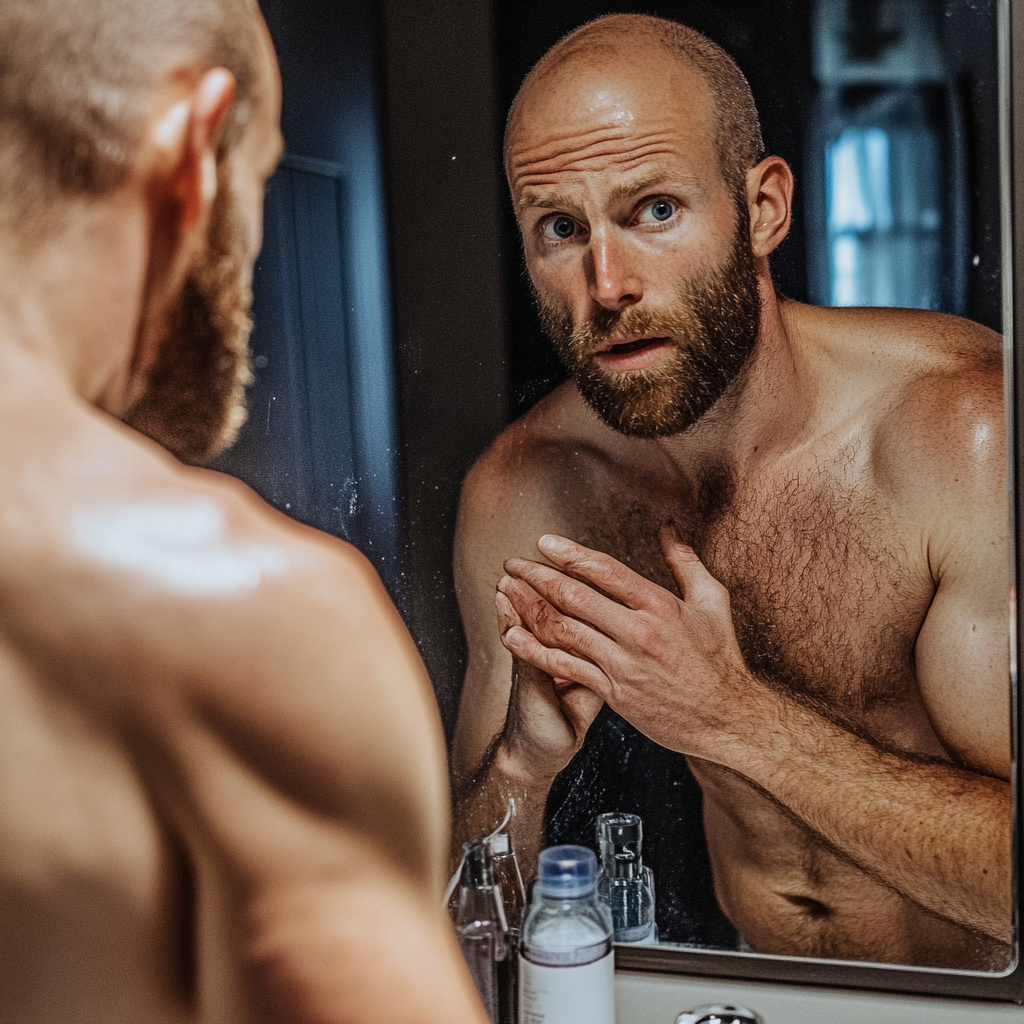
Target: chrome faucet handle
719,1014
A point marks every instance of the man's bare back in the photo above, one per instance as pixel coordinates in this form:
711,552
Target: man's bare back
825,552
193,752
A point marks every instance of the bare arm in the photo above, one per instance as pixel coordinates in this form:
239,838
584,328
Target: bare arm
517,727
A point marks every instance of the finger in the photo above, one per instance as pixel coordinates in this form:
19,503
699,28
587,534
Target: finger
571,596
552,661
615,579
507,615
555,629
696,584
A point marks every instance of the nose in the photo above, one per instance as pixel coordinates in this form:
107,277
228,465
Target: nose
613,280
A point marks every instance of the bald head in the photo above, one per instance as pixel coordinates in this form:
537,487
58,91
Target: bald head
707,82
76,83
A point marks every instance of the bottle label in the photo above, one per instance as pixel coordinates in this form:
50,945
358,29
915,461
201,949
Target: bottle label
575,957
567,995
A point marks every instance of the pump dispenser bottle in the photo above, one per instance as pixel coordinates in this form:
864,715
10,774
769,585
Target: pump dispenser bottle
480,923
567,971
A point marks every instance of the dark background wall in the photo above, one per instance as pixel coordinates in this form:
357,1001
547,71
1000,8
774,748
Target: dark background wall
444,199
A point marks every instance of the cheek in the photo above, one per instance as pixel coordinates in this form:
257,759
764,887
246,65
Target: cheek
560,278
248,203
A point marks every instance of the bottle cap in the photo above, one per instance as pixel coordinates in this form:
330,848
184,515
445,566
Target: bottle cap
619,837
567,872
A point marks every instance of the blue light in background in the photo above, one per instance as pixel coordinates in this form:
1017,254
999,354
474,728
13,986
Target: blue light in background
883,209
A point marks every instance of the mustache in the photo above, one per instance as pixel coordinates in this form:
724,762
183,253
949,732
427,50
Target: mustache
604,325
608,324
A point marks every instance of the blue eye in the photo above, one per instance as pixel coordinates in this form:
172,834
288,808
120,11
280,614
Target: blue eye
657,212
560,228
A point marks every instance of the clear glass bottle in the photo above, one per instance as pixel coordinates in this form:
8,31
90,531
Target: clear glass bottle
513,894
566,967
480,923
624,885
509,879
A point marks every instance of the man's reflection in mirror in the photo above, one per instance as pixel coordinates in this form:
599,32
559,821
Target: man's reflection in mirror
222,786
772,544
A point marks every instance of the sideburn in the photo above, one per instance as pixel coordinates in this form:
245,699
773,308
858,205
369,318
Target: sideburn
193,404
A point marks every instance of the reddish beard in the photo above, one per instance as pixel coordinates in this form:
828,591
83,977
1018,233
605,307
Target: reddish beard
711,328
194,400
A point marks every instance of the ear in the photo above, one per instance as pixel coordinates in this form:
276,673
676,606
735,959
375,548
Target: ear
770,202
183,142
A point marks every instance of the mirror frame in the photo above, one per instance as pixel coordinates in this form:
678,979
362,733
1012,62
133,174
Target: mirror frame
443,134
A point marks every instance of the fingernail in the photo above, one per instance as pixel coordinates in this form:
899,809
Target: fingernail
552,545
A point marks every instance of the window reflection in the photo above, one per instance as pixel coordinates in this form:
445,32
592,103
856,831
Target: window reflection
888,150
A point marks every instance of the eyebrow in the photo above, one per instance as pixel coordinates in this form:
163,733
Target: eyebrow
627,190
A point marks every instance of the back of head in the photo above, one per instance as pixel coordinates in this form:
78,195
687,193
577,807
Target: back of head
76,79
738,131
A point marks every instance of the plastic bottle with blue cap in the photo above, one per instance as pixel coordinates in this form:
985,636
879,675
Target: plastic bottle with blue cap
567,967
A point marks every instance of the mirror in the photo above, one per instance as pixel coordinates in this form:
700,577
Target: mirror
891,114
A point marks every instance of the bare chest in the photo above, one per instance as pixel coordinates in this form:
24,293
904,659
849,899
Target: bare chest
827,597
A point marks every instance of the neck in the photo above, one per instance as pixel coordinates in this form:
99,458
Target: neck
70,305
763,412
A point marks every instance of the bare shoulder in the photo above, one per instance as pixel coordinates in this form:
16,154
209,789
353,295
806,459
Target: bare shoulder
549,436
519,489
865,337
927,387
225,642
541,475
541,470
937,425
941,420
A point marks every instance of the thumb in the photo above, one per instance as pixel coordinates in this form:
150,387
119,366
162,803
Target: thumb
580,706
579,702
695,583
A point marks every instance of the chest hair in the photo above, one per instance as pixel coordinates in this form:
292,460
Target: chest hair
824,600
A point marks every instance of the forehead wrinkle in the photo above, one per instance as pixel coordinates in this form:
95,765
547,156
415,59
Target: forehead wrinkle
622,191
588,145
550,170
556,140
624,159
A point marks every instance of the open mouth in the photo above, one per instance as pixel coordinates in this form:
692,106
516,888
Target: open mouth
633,346
636,354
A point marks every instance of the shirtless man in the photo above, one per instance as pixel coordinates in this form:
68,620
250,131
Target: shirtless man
222,786
788,528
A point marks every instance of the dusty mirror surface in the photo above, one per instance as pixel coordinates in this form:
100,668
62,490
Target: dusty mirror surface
889,115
